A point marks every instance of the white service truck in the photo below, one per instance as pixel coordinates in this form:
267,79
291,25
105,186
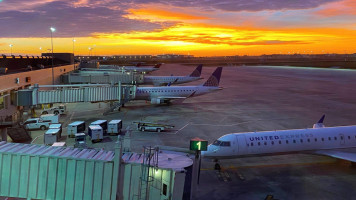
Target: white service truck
58,110
36,123
50,117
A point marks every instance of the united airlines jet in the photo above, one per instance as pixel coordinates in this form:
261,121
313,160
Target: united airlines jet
330,141
165,94
167,80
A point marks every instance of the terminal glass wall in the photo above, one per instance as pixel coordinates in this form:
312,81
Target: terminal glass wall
2,102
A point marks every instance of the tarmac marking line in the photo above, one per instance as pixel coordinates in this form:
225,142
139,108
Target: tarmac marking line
182,128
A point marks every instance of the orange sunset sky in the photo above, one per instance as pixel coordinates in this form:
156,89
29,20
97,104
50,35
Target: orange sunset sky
200,28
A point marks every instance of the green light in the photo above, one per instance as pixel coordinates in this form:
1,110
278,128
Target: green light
198,145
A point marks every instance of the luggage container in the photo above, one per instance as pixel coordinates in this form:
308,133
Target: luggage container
57,126
51,136
96,133
114,127
50,117
103,124
80,140
75,127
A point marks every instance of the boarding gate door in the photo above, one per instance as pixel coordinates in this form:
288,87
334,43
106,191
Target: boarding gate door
241,144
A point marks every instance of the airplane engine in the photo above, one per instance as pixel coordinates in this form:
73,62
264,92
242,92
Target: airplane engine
156,101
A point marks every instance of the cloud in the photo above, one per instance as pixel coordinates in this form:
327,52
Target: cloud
154,14
69,21
244,5
345,7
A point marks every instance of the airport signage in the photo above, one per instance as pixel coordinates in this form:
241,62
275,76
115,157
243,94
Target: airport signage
198,144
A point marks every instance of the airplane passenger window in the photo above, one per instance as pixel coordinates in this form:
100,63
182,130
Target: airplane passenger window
259,143
349,137
280,142
265,143
329,138
293,141
316,140
251,143
286,141
308,140
341,137
322,139
335,138
301,140
272,142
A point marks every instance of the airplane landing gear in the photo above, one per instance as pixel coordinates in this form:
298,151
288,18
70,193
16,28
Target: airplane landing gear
217,165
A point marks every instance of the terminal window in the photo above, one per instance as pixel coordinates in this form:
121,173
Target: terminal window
2,103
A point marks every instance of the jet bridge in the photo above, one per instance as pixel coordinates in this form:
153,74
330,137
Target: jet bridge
102,77
45,94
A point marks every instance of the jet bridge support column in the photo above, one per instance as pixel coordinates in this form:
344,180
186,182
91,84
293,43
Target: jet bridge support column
4,134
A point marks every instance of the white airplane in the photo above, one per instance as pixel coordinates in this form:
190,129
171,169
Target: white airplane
330,141
137,68
168,80
165,94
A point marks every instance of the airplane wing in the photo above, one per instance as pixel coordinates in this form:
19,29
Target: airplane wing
170,97
344,154
177,99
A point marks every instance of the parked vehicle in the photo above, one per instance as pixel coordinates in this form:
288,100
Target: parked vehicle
114,127
3,70
103,124
75,127
51,117
51,136
80,140
148,126
36,123
61,109
57,126
96,133
29,68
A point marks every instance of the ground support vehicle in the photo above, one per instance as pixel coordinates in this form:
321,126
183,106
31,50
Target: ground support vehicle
50,117
51,136
114,127
75,127
103,124
148,126
96,133
60,110
36,123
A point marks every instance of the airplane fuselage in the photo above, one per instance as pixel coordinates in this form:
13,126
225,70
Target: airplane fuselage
285,141
148,93
164,80
139,69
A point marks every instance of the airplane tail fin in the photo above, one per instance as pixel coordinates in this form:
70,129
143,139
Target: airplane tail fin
214,79
197,71
157,65
320,123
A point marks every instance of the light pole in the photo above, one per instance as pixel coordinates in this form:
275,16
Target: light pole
52,30
11,45
40,51
73,51
90,50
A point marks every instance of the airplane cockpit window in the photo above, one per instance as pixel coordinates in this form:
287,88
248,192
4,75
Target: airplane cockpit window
225,144
216,143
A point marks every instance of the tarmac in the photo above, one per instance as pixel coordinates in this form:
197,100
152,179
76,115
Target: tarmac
254,98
